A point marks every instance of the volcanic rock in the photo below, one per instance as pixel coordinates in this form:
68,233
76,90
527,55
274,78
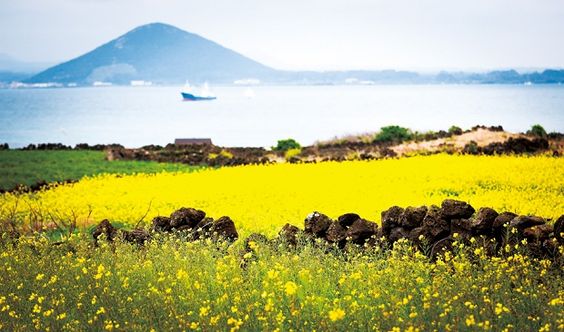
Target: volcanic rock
203,228
453,209
186,216
137,236
391,219
161,224
412,217
435,223
289,234
348,219
462,227
523,222
184,229
559,229
538,233
483,223
416,233
317,224
441,246
336,232
503,219
224,227
104,228
398,233
361,230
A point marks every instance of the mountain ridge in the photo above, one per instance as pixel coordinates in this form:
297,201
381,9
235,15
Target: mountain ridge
13,65
155,52
164,54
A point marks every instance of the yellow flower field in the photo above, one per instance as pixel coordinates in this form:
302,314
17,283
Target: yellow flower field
173,284
263,198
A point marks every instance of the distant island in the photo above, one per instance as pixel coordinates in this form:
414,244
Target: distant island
162,54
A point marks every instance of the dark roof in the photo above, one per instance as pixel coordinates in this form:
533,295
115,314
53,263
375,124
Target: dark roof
187,141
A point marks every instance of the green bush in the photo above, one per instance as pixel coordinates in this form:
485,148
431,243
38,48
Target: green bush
455,130
286,144
537,130
393,134
471,148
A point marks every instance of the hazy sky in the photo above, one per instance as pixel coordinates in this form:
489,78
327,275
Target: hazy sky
307,34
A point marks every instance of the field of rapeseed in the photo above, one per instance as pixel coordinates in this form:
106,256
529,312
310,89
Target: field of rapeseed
264,198
177,285
170,284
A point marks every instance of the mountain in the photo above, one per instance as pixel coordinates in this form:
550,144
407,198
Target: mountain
159,53
12,69
10,64
10,76
163,54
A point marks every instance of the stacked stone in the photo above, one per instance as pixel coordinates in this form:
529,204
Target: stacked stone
437,226
190,222
433,227
348,228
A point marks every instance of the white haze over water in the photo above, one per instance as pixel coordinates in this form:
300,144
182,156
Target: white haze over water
156,115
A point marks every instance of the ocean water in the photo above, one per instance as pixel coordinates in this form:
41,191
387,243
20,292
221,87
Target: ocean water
136,116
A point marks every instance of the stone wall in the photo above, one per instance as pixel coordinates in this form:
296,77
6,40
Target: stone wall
431,229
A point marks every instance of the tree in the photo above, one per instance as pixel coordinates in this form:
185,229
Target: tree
286,144
393,134
537,130
455,130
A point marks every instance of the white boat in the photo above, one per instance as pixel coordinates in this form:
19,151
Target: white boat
190,93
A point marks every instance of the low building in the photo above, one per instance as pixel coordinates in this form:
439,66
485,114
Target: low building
192,141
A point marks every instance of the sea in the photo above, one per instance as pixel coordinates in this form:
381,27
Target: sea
261,115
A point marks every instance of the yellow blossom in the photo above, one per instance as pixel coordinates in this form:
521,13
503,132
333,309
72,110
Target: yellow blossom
290,288
336,314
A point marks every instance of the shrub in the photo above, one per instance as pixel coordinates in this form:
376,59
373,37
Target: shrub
286,144
455,130
291,153
471,148
226,154
424,136
223,153
393,134
537,130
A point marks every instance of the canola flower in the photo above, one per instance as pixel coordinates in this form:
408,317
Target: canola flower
336,314
264,198
170,284
290,288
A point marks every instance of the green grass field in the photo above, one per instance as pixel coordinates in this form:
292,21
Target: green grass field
30,167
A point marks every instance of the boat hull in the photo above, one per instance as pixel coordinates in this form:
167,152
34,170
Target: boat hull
190,97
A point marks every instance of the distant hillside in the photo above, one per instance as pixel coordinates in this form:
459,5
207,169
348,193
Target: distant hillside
155,52
10,64
548,76
161,53
10,76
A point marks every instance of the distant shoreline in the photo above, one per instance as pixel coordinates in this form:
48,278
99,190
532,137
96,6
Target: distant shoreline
23,86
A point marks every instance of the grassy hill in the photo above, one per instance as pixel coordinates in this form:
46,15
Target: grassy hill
32,167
